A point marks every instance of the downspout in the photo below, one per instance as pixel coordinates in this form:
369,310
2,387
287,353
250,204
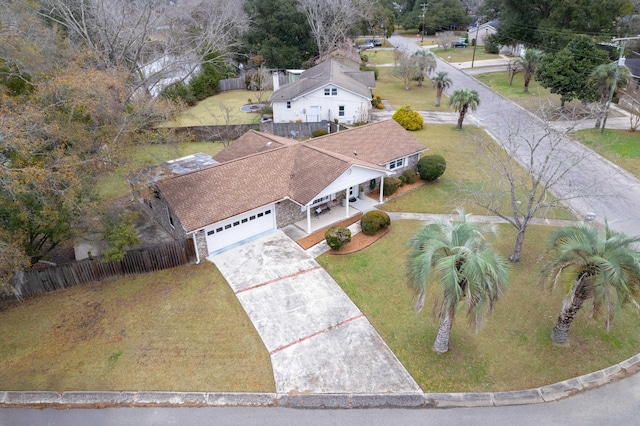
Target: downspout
195,244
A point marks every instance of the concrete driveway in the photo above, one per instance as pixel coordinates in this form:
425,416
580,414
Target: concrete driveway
318,340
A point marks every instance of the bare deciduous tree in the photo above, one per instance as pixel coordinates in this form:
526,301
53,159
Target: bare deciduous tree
260,81
446,39
531,164
151,39
331,21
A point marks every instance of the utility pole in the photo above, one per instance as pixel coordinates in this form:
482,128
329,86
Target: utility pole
473,58
424,12
621,60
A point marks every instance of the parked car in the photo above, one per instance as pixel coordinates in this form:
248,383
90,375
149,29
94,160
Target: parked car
374,41
460,43
366,45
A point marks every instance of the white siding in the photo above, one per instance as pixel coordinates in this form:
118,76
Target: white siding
328,107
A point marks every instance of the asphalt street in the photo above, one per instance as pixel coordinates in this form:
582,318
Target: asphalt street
595,186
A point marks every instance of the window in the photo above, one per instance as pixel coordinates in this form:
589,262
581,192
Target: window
341,111
327,91
288,104
334,91
396,163
252,217
267,212
219,229
211,232
260,214
227,226
236,223
245,220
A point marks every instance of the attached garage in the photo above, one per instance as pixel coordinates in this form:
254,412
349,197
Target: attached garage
241,227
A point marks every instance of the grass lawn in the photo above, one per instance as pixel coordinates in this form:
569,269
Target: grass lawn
538,97
419,98
464,167
114,185
181,329
512,351
621,147
379,57
209,111
464,54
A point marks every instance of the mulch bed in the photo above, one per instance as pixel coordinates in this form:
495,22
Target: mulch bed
359,242
313,239
402,190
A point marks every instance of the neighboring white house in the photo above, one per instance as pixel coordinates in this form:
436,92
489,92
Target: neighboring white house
481,32
330,90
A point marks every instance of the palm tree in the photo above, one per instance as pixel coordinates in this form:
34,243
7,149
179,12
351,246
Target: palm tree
529,61
593,265
462,100
425,60
604,78
441,82
456,256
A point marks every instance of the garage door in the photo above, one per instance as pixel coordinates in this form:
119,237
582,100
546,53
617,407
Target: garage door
241,227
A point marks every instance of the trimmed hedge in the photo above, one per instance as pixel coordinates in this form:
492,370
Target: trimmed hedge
409,176
373,221
391,185
337,236
408,118
431,167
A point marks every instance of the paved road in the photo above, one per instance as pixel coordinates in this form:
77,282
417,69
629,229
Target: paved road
595,186
613,404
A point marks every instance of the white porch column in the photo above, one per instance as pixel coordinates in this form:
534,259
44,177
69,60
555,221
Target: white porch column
381,186
346,211
308,220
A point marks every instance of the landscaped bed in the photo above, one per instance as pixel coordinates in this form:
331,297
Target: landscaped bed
512,351
181,329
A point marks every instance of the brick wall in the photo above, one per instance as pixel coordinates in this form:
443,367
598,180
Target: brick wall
201,244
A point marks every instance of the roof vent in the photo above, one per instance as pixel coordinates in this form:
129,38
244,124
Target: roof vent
355,152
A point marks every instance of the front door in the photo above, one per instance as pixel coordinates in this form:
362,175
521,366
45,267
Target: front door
353,192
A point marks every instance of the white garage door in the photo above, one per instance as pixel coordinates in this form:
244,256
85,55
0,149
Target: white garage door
240,227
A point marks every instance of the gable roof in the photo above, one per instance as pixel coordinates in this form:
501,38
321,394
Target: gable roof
254,172
296,171
376,143
328,72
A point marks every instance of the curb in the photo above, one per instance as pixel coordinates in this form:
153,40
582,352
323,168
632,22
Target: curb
549,393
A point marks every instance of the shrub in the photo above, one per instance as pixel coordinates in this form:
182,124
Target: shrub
431,167
490,44
391,185
408,118
373,221
337,236
403,180
409,176
318,132
267,109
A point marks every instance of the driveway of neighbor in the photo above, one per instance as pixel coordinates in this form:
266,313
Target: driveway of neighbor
319,341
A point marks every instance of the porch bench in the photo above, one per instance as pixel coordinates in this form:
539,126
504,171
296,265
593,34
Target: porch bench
323,208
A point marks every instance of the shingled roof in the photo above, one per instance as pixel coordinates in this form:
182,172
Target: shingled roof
377,143
328,72
256,172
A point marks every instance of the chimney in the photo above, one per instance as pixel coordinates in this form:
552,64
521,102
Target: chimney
276,80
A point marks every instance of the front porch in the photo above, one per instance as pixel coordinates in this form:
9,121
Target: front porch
337,214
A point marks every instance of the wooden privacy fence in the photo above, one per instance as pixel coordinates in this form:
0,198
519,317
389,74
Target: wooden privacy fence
40,281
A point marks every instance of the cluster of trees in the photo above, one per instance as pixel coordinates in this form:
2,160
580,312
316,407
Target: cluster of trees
457,258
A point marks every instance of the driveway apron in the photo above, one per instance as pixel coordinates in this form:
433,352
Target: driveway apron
319,341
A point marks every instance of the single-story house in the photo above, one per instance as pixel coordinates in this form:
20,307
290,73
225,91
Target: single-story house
330,90
262,182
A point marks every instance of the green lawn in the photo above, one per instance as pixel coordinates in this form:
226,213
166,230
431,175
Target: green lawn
621,147
181,329
464,54
114,185
420,98
464,167
512,351
211,111
538,97
379,56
